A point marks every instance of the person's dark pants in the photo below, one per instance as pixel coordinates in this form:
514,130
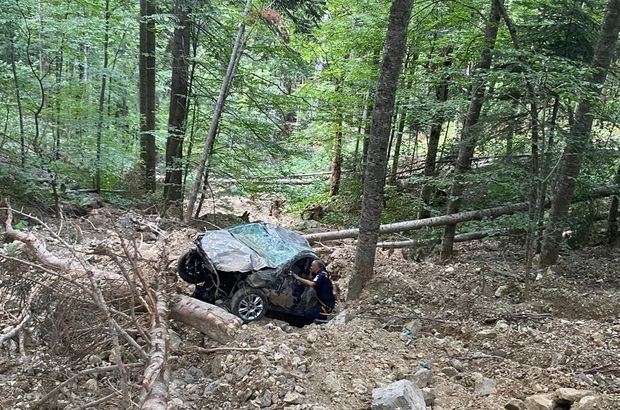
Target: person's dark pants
315,312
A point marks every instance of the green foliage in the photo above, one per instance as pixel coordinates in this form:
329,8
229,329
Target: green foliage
11,249
399,205
300,79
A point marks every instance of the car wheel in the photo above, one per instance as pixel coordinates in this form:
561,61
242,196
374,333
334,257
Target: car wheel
190,267
249,304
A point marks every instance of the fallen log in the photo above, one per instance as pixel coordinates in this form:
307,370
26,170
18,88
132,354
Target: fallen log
422,223
38,250
453,219
154,394
464,237
213,321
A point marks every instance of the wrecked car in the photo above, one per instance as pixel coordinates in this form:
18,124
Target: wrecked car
249,268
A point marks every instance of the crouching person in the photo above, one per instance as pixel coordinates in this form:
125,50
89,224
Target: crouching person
324,292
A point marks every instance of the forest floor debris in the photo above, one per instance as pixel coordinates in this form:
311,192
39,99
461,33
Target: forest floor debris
457,329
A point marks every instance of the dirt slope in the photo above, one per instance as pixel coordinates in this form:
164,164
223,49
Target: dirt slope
457,329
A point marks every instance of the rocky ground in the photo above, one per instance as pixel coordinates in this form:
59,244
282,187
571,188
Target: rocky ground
457,329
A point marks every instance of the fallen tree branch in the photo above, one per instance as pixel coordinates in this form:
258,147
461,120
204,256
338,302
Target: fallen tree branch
597,368
154,394
39,251
518,316
228,349
452,219
213,321
98,401
422,223
464,237
403,318
15,330
94,370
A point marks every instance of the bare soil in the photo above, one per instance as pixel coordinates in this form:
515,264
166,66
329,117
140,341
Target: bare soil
448,326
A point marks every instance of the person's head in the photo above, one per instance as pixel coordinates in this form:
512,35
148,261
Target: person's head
317,266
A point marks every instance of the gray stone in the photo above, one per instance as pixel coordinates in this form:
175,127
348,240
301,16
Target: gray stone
340,319
242,370
175,341
544,401
265,400
331,383
449,371
92,385
211,387
244,395
486,334
421,378
587,403
515,404
196,372
415,326
293,398
571,396
484,387
402,394
429,396
457,364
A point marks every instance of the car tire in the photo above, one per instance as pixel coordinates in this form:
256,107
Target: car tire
190,267
249,304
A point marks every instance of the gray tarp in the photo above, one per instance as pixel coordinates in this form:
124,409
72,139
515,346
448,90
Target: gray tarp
251,247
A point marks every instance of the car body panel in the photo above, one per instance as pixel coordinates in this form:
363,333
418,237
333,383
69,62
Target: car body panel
262,256
252,247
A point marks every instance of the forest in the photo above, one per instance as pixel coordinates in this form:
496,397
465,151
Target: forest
413,125
163,104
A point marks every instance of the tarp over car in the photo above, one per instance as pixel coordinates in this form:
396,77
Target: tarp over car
252,247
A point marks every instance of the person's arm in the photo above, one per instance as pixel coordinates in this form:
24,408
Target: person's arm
304,281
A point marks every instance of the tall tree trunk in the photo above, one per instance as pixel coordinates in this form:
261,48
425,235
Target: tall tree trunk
366,131
374,178
441,94
336,164
106,40
177,116
361,135
148,153
579,136
397,145
612,218
217,112
469,133
536,202
18,99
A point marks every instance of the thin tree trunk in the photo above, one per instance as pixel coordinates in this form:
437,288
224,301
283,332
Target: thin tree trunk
22,140
397,146
217,113
535,207
177,116
336,163
361,135
374,178
579,137
469,133
148,152
612,219
441,94
106,40
366,134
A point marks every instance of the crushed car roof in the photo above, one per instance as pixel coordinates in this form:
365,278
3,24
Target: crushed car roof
253,246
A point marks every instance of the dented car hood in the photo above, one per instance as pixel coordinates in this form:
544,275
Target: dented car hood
252,247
